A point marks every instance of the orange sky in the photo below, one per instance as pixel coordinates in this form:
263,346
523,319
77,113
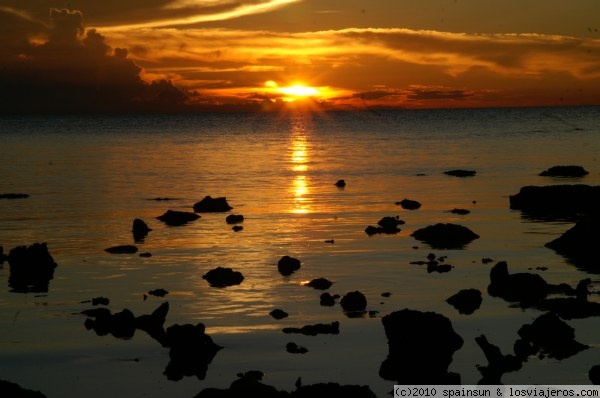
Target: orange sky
167,54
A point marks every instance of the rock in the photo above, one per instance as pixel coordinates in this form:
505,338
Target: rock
13,390
158,292
191,351
354,301
594,374
278,314
408,204
97,301
177,218
313,330
498,363
421,346
486,260
212,205
234,219
462,212
387,225
556,201
121,324
146,254
153,324
237,228
460,173
445,236
14,196
288,265
222,277
327,300
340,183
294,348
2,257
160,199
581,242
551,336
524,288
122,249
565,171
320,283
31,268
140,230
386,294
434,266
466,301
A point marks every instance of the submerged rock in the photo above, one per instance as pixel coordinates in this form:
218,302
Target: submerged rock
445,236
222,277
421,346
122,249
556,201
212,205
31,268
565,171
191,351
140,230
409,204
288,265
460,173
177,218
466,301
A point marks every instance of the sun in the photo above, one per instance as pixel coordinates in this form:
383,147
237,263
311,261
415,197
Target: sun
293,92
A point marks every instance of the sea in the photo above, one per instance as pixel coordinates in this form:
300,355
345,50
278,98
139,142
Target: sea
89,177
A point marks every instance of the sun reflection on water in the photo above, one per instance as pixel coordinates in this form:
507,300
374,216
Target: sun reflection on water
299,165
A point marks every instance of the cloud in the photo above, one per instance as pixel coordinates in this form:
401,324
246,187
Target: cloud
71,69
431,93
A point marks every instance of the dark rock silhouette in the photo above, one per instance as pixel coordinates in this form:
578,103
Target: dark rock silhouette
153,324
327,300
313,330
294,348
288,265
97,301
387,225
237,228
191,351
421,346
580,243
565,171
466,301
460,173
234,219
146,254
212,205
320,284
122,249
498,363
120,325
340,183
594,374
462,212
140,230
278,313
409,204
31,268
556,201
14,196
158,292
222,277
177,218
13,390
249,384
550,336
445,236
524,288
354,301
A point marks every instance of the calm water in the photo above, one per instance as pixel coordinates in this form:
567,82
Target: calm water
90,177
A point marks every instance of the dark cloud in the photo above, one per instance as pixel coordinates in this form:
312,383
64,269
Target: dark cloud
372,95
436,94
63,67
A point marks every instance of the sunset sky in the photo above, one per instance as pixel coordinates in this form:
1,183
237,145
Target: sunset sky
171,54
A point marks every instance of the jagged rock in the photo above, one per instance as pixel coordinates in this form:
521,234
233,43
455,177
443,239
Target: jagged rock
153,324
278,314
122,249
460,173
177,218
565,171
466,301
421,346
320,283
556,201
234,219
294,348
13,390
354,301
313,330
287,265
140,230
498,363
551,336
31,268
221,277
445,236
409,204
340,183
191,351
212,205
